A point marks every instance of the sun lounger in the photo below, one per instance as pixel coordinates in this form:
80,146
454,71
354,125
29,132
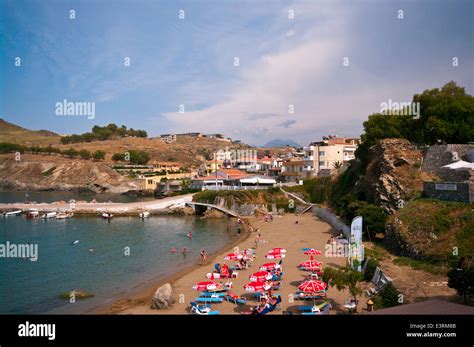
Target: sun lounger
231,297
325,310
206,299
202,310
212,295
306,296
311,308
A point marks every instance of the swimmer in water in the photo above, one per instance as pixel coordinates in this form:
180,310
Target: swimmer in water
185,250
190,235
173,250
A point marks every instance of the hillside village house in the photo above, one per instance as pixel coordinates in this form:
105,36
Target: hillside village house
320,158
293,169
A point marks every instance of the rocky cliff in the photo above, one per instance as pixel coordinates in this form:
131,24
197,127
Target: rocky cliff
37,172
393,174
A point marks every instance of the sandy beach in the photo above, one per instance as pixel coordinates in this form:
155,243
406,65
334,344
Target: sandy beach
309,232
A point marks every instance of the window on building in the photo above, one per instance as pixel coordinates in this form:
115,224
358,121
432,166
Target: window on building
322,153
322,163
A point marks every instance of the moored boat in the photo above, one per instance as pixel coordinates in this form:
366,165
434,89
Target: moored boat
49,215
64,215
12,213
32,213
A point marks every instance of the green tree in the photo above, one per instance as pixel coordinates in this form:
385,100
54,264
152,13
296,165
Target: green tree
139,157
98,155
374,217
461,278
446,114
344,278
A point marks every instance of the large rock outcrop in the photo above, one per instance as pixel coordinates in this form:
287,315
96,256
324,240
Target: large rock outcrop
38,172
163,298
393,174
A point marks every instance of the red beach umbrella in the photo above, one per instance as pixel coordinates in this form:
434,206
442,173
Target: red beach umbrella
269,266
255,287
260,276
312,286
233,256
275,256
313,251
209,285
277,250
310,265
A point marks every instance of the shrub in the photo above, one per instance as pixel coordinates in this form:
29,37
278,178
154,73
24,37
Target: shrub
118,157
389,296
85,154
370,269
71,153
98,155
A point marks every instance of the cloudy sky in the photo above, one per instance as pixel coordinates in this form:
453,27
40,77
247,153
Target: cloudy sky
290,55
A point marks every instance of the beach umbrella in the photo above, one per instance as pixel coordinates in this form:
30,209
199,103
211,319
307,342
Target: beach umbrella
310,265
269,266
255,287
209,285
233,256
277,250
312,252
312,286
260,276
275,256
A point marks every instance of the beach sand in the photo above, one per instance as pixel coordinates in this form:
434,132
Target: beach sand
310,232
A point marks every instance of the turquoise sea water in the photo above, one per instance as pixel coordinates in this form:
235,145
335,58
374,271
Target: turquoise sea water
33,287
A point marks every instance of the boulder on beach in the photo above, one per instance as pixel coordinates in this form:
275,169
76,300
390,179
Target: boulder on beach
211,214
163,298
79,294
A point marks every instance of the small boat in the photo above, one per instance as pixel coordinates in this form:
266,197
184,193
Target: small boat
73,243
49,215
64,215
33,213
12,213
144,215
107,215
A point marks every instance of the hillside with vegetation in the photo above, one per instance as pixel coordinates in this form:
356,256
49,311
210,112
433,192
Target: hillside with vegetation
384,185
111,140
15,134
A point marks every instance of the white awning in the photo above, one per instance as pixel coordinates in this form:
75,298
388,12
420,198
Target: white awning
257,180
461,164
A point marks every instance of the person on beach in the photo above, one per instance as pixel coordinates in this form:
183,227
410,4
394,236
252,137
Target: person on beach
257,239
203,256
173,250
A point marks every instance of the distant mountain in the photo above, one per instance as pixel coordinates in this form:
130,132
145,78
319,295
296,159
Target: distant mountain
13,133
281,143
